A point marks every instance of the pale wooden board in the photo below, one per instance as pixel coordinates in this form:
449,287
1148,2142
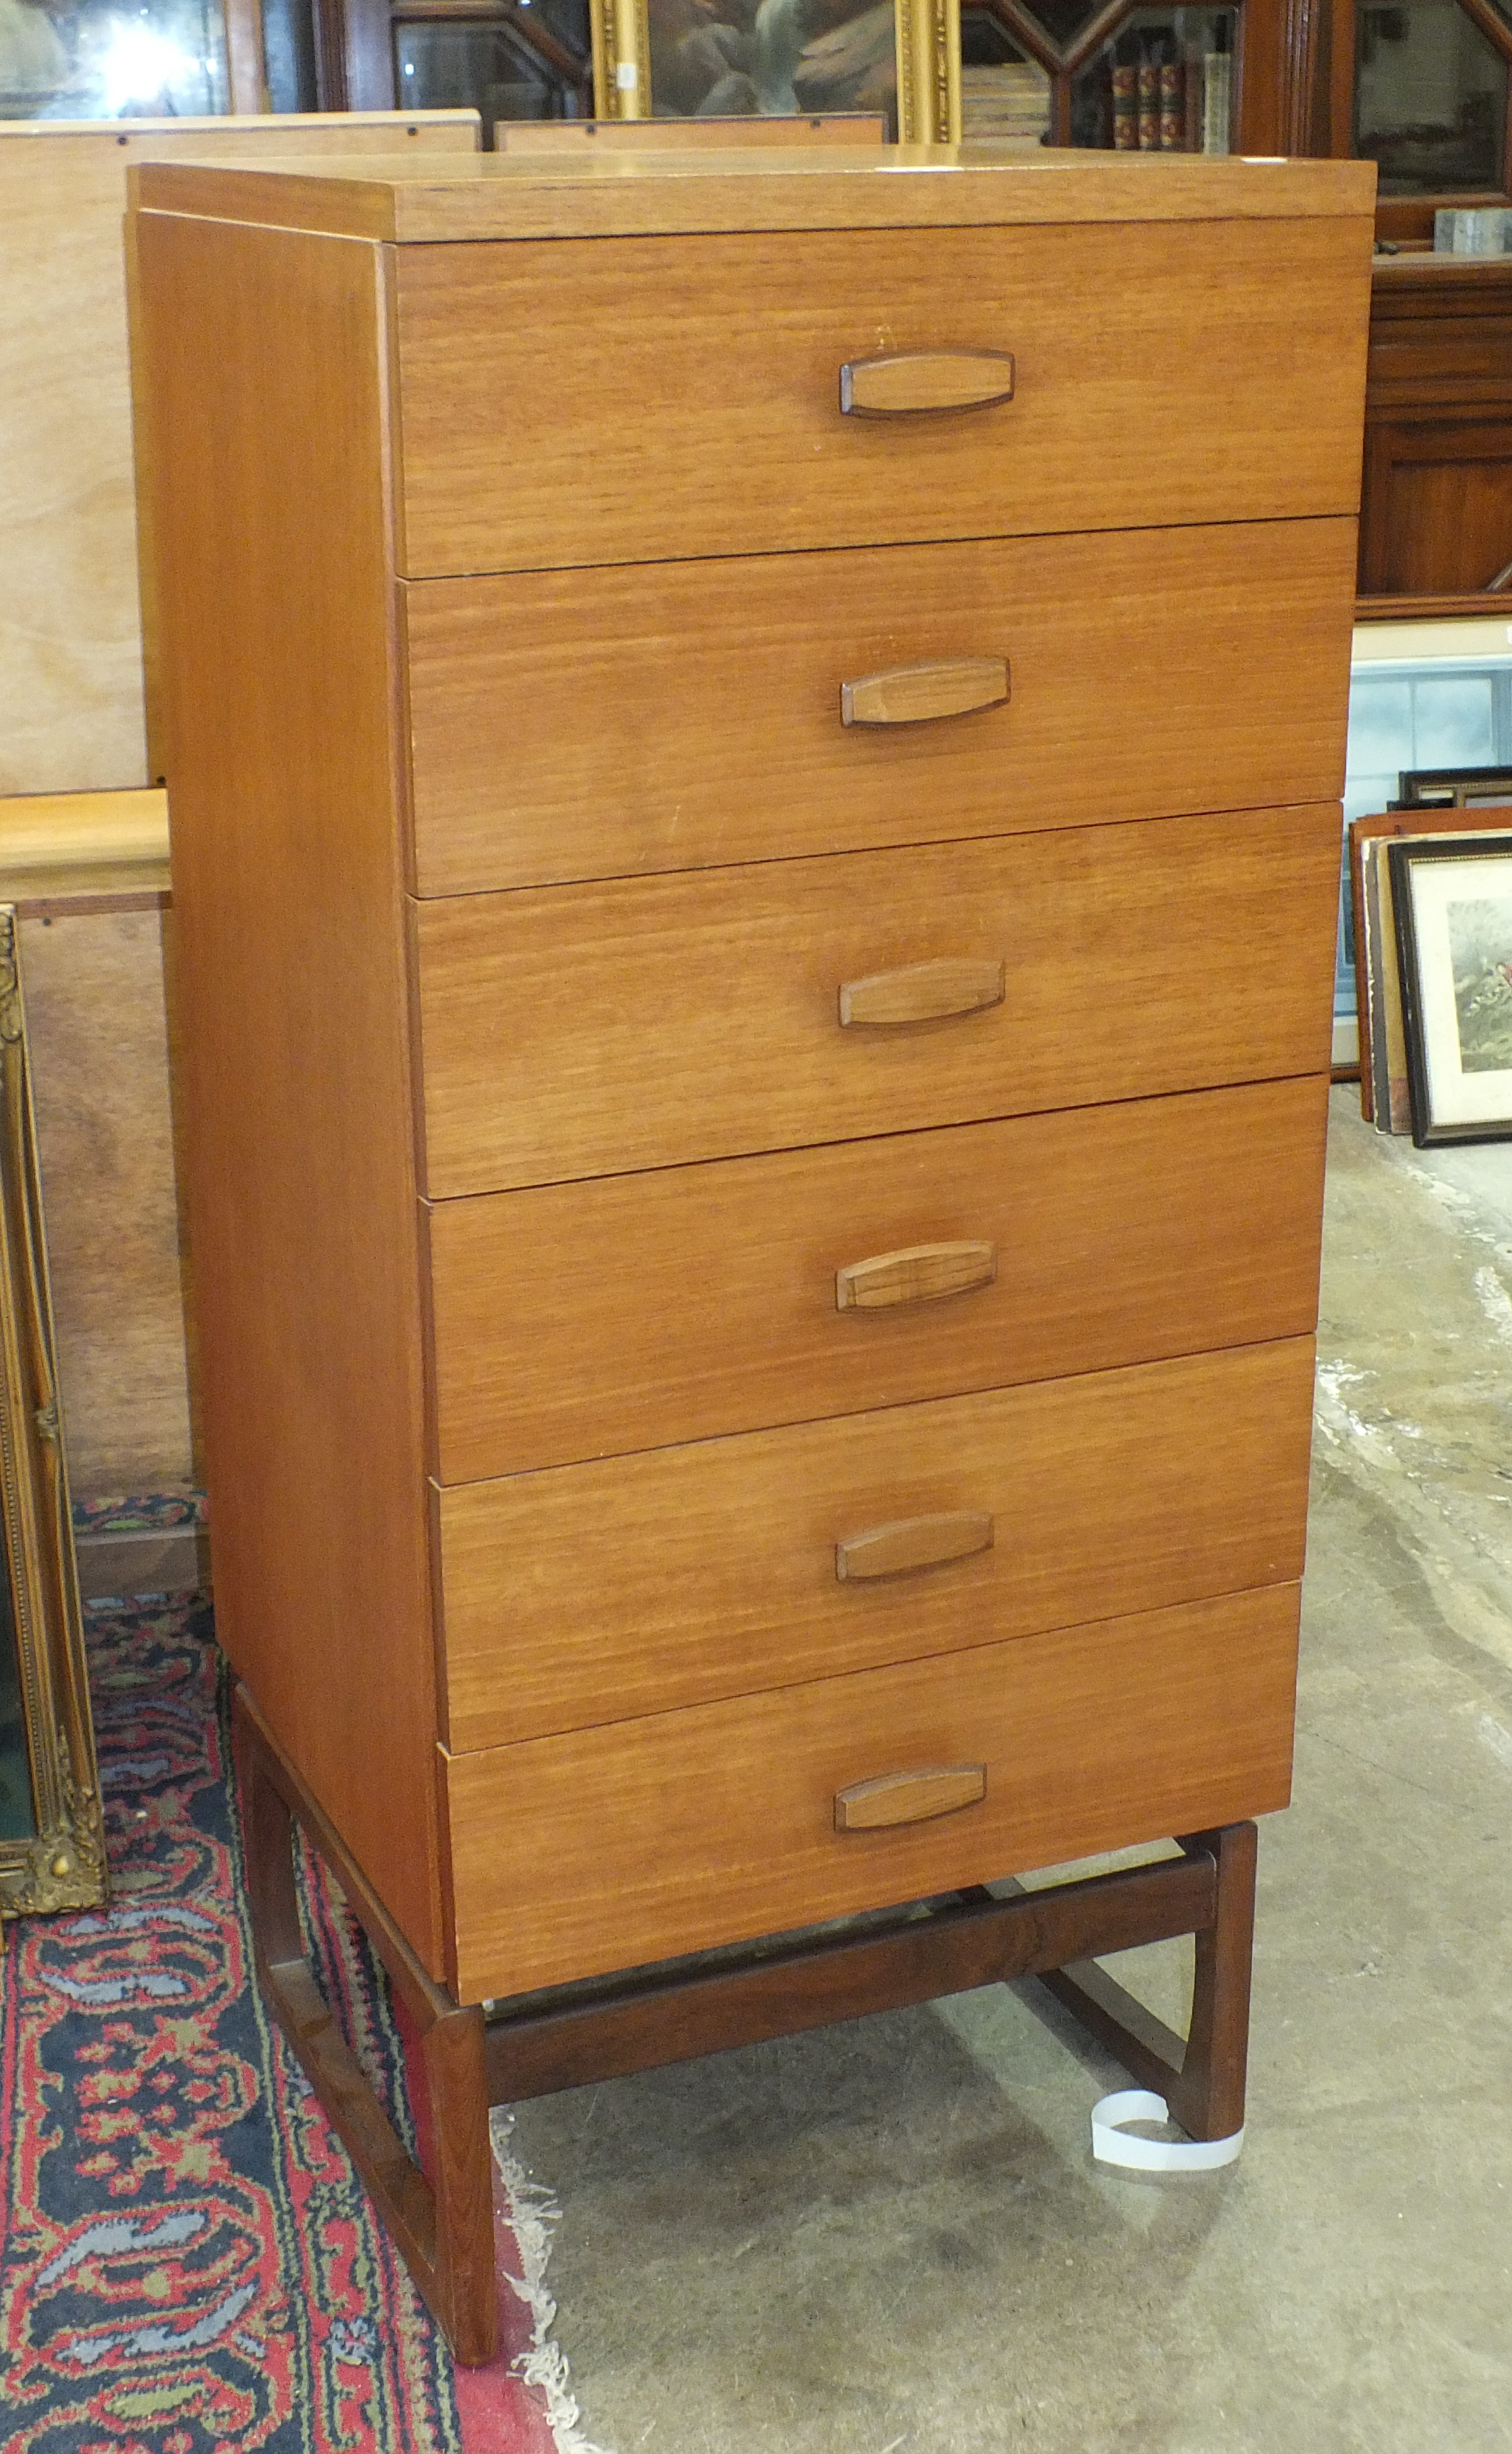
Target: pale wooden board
93,987
79,832
69,644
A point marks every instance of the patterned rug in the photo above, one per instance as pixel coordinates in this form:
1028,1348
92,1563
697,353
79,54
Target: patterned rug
188,2265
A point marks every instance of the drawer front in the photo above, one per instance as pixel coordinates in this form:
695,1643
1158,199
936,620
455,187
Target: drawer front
609,1847
623,400
601,1592
578,1031
577,1321
608,723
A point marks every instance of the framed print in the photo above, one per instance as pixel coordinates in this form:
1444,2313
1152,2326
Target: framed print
1453,787
735,60
51,1825
1452,905
1376,948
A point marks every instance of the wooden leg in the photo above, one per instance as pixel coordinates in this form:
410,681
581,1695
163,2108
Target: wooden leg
444,2225
1201,2076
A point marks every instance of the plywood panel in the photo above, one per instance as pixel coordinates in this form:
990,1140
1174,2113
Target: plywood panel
576,1030
93,985
70,642
610,1848
601,1592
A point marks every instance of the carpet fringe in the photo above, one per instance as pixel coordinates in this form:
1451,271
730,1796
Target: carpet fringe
534,2213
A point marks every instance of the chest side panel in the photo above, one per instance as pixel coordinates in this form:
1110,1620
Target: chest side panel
260,384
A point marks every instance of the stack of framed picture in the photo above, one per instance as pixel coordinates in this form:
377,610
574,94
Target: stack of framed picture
1429,754
1431,887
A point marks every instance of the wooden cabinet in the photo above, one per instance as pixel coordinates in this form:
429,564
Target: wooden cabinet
1425,89
745,1255
1436,510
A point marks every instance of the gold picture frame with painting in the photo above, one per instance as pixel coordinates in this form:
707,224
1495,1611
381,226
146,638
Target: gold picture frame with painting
732,59
51,1821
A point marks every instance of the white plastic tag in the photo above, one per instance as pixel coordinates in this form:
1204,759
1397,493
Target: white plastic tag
1113,2144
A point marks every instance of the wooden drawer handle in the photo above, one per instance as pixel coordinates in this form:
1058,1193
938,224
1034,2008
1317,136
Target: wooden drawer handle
922,992
910,384
913,1543
918,694
909,1797
920,1273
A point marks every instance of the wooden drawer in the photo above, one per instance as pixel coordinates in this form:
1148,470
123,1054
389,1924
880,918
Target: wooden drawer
609,1847
599,1592
575,1322
608,723
635,399
576,1031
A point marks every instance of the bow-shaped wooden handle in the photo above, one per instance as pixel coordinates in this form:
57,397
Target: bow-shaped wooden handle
908,1797
916,382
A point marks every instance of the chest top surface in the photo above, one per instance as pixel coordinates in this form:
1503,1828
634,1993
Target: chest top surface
504,197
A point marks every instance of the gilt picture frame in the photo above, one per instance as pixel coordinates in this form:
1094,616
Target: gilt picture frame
652,58
52,1839
1452,902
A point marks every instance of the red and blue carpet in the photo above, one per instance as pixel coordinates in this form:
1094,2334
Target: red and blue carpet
188,2265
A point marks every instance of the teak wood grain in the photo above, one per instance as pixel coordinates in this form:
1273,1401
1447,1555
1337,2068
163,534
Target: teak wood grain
587,1028
547,744
537,1443
1093,1738
515,195
1154,1227
599,1591
279,675
683,398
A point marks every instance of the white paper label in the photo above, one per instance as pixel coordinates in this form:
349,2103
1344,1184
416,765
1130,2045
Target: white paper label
1113,2144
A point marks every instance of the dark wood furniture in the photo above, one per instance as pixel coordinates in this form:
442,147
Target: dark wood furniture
1436,513
754,1150
1422,167
1270,43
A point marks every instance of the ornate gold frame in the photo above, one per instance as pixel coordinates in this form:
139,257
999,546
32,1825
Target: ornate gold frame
62,1866
929,41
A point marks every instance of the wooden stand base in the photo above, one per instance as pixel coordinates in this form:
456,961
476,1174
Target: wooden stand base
443,2221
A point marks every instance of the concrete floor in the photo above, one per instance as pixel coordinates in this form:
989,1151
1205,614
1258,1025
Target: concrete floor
889,2237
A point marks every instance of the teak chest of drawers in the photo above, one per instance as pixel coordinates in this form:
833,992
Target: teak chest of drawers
753,751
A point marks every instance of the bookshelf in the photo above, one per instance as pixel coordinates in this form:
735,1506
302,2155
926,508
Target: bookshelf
1423,88
1225,79
1235,77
